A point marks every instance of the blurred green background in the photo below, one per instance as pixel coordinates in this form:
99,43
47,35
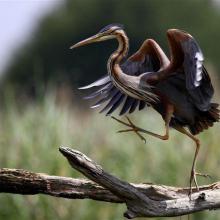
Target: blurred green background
41,108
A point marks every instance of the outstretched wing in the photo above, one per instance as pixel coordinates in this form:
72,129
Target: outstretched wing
198,81
144,60
187,58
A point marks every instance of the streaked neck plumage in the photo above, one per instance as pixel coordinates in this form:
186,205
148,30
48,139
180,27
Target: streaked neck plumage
119,54
119,78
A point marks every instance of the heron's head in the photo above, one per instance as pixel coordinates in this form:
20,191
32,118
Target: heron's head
109,32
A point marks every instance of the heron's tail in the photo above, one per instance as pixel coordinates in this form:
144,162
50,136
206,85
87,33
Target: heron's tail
206,119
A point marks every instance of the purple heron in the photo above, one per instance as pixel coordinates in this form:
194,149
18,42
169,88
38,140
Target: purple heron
178,88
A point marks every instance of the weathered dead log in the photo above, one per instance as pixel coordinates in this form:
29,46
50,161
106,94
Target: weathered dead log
142,200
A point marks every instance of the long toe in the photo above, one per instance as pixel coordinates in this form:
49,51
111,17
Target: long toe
141,137
126,130
204,175
122,122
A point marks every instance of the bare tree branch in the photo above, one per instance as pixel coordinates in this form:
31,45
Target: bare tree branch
28,183
142,200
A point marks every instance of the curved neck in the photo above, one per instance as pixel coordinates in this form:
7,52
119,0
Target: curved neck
124,82
117,56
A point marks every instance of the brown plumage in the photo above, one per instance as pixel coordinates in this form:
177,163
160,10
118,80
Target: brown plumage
178,88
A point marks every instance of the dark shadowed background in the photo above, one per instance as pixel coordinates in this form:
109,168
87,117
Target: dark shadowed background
41,108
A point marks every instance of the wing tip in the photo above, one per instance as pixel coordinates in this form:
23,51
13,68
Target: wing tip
99,82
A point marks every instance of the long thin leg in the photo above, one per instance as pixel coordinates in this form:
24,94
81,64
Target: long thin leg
193,172
169,113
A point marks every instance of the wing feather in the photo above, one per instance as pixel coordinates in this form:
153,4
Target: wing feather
109,95
187,59
116,104
193,63
198,82
134,105
142,104
127,105
98,82
112,101
102,91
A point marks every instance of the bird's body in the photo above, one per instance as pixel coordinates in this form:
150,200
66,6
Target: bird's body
178,88
186,113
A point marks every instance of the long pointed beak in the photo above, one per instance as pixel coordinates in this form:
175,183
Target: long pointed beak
86,41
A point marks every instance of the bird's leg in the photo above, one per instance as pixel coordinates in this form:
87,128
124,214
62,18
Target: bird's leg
169,113
193,172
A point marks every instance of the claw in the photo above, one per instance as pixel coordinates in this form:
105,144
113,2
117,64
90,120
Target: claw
120,121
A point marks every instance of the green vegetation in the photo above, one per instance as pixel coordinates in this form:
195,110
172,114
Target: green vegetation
31,134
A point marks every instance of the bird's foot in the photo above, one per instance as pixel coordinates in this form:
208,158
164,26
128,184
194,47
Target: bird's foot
193,179
132,126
